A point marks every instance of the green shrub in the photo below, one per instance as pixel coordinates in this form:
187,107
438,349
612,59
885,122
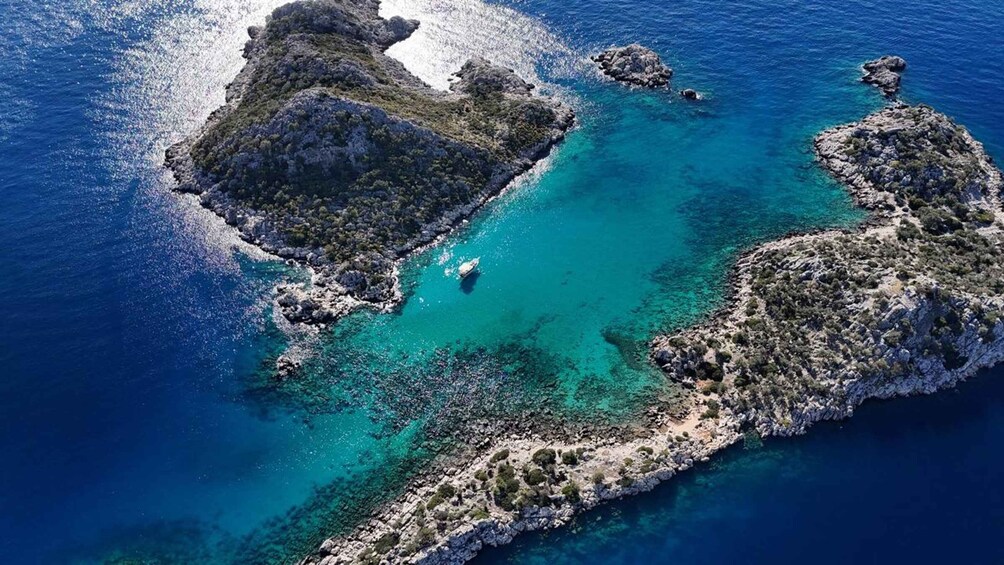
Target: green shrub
446,490
544,457
535,476
426,536
571,492
434,501
386,542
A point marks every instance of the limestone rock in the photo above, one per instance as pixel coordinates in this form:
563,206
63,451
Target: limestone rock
478,76
884,73
635,65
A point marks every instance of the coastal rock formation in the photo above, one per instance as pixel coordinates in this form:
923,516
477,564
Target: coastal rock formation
909,303
634,64
884,73
332,155
479,77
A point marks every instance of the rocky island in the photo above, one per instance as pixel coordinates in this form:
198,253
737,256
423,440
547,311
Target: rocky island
884,73
635,65
332,155
909,302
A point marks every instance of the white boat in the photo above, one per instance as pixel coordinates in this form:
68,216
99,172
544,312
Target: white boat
469,267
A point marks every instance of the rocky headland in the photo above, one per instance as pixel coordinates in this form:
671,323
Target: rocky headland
635,65
884,73
331,155
909,302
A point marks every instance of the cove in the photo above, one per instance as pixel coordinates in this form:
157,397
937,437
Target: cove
134,327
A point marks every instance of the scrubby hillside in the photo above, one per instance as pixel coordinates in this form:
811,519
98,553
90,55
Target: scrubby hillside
331,153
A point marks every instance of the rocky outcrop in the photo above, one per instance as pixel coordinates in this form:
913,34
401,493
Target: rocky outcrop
817,324
635,65
480,77
884,73
333,156
525,485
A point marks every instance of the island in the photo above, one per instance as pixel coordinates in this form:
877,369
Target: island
884,73
331,155
635,65
908,302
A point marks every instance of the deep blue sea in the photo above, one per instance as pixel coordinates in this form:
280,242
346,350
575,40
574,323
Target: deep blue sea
134,420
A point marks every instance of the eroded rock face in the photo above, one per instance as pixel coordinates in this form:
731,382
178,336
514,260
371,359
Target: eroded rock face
884,73
634,64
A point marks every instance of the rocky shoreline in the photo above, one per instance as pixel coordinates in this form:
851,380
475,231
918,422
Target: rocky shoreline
910,302
352,139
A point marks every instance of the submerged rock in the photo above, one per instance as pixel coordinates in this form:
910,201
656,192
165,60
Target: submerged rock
287,367
634,64
884,73
690,94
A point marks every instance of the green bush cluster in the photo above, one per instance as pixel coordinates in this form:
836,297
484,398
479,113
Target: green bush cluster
544,457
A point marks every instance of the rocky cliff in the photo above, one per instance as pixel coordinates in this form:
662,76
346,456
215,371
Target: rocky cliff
331,154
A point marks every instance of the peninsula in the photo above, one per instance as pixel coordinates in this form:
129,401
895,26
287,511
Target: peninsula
910,302
332,155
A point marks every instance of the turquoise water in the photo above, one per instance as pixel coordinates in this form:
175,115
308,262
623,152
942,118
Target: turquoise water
610,243
134,413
